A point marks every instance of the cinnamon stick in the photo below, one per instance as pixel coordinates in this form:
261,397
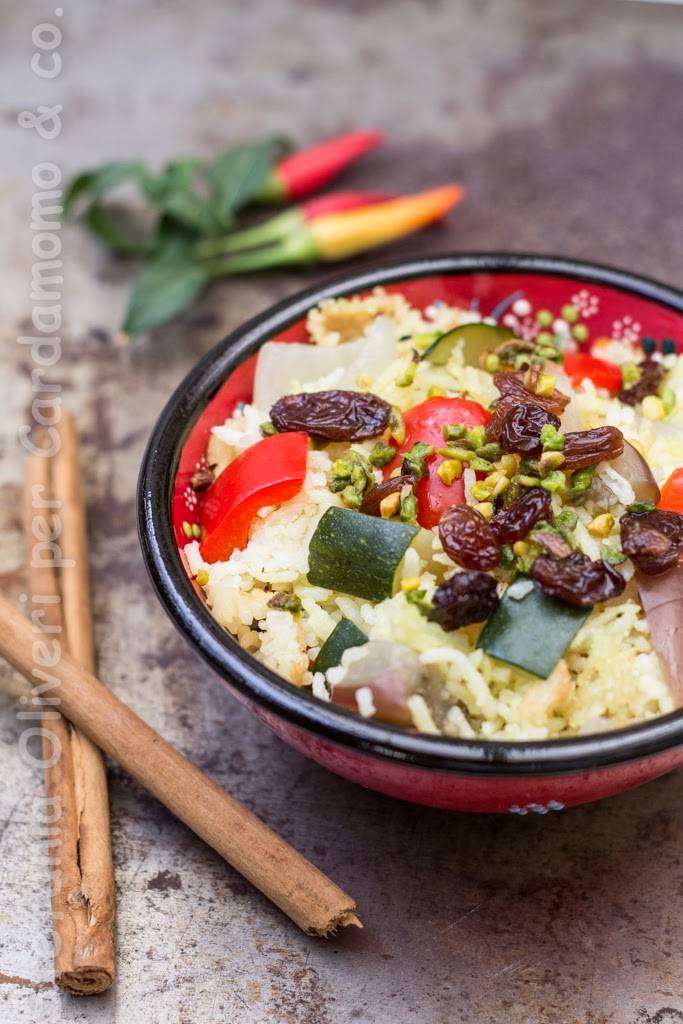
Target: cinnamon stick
304,893
83,902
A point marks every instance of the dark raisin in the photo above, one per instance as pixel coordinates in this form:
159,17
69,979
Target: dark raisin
652,540
333,415
370,505
513,393
648,383
465,598
514,521
468,538
576,579
202,479
587,447
520,430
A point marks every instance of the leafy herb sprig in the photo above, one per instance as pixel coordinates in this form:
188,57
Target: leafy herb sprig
187,201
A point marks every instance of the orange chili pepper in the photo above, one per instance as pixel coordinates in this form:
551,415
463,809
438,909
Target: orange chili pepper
337,236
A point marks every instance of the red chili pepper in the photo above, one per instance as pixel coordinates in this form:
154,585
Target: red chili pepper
578,365
425,422
310,169
271,471
337,236
672,493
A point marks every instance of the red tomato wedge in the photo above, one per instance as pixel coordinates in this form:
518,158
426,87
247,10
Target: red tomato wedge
268,473
578,365
672,493
425,422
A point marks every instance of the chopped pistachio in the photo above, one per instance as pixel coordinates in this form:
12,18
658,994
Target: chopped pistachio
523,360
492,363
668,399
477,437
491,451
463,454
454,431
498,482
520,547
480,491
284,602
351,497
420,600
638,507
528,466
545,385
480,465
567,519
551,438
408,513
630,373
202,577
395,472
555,481
601,526
507,556
611,554
549,462
381,454
410,583
486,509
415,461
267,429
450,470
397,427
507,464
436,392
390,505
581,481
527,481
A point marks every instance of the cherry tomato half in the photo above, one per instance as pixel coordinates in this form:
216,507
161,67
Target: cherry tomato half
425,422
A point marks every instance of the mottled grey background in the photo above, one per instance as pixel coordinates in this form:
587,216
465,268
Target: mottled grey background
564,120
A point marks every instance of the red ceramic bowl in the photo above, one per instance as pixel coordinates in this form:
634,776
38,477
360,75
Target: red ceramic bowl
472,775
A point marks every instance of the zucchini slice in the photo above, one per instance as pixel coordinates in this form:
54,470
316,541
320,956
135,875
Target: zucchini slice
344,635
476,339
358,554
530,629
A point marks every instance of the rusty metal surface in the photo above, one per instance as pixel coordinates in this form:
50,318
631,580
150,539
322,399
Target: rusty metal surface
565,122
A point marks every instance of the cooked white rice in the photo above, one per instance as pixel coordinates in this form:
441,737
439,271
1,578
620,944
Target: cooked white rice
610,675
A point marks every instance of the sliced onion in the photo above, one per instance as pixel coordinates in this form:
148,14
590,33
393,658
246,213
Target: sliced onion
281,367
391,671
662,598
634,468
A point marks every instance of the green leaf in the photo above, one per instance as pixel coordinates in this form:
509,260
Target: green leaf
174,192
119,229
238,175
166,286
96,183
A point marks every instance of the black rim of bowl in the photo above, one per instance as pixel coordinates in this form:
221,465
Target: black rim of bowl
262,686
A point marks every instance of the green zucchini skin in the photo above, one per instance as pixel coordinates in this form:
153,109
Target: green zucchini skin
357,554
476,338
531,632
344,635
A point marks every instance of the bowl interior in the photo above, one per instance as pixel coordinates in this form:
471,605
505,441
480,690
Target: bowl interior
609,303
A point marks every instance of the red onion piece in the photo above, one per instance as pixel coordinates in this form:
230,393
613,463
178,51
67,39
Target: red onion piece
391,671
634,468
662,598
